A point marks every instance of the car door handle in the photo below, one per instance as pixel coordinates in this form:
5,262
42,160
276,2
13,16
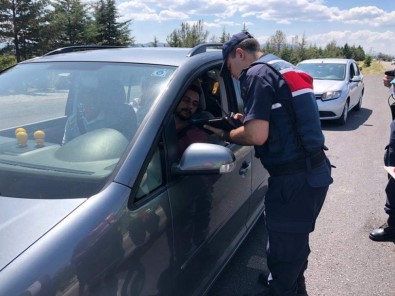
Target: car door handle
244,168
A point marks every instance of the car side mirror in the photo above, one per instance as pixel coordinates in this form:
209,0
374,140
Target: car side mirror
356,79
203,159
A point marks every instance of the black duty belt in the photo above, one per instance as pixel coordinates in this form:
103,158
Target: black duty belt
296,166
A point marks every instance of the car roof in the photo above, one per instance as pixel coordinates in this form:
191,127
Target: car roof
170,56
327,61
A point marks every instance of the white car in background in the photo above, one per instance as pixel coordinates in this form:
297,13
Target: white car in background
338,86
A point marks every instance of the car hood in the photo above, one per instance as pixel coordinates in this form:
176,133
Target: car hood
24,221
321,86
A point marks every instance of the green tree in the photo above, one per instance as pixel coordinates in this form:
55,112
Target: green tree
155,42
347,52
287,54
332,50
224,37
6,20
301,49
69,24
173,40
276,42
188,35
313,52
111,32
245,29
22,21
358,53
6,61
368,61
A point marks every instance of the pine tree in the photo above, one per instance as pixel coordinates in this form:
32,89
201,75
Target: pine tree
347,53
22,21
173,40
155,42
224,37
6,27
188,35
111,32
276,42
69,23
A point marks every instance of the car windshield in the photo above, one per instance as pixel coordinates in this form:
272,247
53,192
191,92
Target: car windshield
323,71
65,125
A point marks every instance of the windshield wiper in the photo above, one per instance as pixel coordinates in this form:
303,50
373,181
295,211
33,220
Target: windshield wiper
46,168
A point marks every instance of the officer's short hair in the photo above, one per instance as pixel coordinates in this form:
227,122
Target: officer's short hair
250,45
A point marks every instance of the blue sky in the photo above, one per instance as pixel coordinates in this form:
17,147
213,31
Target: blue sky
368,23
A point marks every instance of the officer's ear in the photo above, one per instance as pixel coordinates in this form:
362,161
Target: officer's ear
240,53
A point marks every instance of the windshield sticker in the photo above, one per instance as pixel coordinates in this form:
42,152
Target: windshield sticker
160,73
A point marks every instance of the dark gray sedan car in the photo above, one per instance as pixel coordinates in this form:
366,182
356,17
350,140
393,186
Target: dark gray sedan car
113,208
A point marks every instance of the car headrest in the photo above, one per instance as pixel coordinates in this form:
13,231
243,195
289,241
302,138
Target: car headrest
112,92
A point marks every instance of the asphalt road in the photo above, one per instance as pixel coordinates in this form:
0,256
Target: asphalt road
344,261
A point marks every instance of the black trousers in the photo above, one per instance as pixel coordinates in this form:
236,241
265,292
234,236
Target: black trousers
292,205
389,160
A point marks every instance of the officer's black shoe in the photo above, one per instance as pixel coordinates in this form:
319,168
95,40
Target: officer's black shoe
384,233
263,279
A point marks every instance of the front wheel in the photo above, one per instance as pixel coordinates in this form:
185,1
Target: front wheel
343,118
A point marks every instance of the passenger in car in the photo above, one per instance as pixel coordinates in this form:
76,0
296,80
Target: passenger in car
89,116
186,132
103,108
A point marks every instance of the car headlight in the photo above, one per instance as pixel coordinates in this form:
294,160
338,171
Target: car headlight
330,95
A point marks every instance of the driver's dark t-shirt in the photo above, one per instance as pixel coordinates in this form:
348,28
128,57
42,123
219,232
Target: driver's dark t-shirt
189,135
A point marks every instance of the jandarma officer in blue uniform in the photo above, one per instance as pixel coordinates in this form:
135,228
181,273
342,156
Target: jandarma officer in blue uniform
281,120
386,232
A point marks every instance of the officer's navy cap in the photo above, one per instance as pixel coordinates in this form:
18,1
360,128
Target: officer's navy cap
229,45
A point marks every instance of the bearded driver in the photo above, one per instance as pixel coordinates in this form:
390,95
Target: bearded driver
186,132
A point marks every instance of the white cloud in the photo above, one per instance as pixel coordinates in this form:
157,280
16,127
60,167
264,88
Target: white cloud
369,40
287,11
172,15
282,12
368,26
137,11
142,11
369,15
